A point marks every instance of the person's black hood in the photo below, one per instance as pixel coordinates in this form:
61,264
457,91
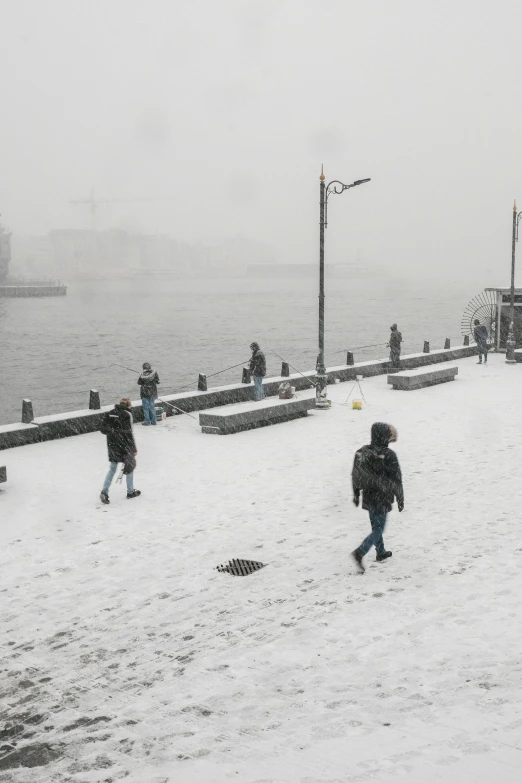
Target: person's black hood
381,435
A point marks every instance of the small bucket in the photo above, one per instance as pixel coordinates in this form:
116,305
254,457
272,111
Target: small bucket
356,405
160,413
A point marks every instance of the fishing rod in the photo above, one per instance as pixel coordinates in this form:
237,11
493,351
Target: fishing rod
293,368
190,386
159,398
360,347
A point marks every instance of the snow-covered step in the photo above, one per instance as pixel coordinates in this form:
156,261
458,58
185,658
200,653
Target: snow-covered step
425,376
249,415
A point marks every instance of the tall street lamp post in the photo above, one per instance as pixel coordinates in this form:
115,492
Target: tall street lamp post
510,343
325,192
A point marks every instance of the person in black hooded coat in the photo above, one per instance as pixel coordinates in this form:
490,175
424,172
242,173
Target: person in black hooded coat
377,475
117,426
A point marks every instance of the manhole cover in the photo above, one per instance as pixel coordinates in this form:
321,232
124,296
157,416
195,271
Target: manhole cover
240,567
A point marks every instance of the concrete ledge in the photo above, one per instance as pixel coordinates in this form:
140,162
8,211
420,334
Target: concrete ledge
237,418
419,379
12,435
63,425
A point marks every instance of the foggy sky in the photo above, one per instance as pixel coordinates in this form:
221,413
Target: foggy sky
229,107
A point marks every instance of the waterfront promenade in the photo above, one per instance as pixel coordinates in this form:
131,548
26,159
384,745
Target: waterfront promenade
126,656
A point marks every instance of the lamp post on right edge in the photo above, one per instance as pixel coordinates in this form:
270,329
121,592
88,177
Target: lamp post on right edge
510,343
325,192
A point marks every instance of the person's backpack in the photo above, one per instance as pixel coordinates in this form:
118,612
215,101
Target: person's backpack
111,424
286,391
367,469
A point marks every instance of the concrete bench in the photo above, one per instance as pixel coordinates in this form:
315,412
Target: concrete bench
249,415
3,474
418,379
518,354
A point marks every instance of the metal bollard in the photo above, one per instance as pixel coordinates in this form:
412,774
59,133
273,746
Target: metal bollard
27,412
94,400
349,359
245,378
285,370
447,343
466,339
426,348
202,382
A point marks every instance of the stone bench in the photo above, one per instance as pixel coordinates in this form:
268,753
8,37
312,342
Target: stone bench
418,379
518,354
249,415
3,474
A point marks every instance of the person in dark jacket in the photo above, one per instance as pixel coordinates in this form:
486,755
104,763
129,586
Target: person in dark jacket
117,426
480,333
148,381
377,474
395,347
257,369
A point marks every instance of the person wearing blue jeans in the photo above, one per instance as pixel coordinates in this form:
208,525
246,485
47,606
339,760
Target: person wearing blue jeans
258,387
149,410
148,381
378,523
110,475
121,447
377,474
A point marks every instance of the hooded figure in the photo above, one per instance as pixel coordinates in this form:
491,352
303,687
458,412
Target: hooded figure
376,473
148,381
117,426
395,347
257,369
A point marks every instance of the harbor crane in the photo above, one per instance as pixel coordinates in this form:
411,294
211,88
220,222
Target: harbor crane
94,203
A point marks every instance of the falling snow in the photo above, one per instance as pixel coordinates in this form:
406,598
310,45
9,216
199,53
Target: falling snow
128,656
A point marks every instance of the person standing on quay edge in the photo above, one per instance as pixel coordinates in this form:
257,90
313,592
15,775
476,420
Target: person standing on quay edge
117,426
395,348
258,369
480,333
377,474
148,381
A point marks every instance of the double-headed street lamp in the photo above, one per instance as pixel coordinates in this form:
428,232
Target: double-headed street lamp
325,192
510,343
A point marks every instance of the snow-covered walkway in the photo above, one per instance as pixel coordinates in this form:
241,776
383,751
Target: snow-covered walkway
125,651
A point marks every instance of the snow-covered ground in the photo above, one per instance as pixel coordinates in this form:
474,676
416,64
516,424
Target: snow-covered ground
127,653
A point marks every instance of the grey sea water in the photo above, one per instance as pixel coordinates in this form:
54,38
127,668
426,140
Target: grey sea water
54,350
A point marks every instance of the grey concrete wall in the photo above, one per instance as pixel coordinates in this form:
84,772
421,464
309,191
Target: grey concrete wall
64,425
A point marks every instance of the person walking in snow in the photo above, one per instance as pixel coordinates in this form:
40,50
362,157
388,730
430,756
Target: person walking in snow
117,426
480,333
258,369
148,381
377,474
395,347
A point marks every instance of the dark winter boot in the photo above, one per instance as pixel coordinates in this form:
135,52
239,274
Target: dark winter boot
104,497
383,556
358,561
134,494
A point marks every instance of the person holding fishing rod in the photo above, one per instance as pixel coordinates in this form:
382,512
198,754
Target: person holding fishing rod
148,381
